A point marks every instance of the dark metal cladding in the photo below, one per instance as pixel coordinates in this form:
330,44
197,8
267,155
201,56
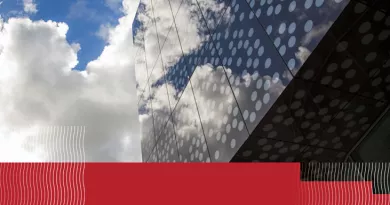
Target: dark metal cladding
266,81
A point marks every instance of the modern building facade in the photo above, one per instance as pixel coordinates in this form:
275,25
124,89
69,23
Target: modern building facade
263,80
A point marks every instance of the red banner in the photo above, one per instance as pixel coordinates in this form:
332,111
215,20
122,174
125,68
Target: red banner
131,183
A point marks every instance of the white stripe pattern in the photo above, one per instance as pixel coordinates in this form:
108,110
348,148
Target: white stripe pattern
57,181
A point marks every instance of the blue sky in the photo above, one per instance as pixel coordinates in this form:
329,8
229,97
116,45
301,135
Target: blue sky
84,18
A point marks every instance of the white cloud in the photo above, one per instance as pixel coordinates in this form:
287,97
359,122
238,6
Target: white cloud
316,33
114,4
302,54
38,88
104,32
12,149
29,6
